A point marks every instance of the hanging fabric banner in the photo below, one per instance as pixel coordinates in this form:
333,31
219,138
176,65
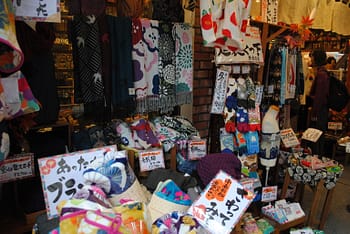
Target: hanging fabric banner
252,53
272,11
219,97
38,10
291,76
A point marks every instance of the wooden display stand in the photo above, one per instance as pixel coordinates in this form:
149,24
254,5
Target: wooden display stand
318,191
279,227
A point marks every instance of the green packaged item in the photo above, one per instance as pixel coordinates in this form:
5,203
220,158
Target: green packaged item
265,226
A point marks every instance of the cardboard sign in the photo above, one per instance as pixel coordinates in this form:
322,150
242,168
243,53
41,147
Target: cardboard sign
289,138
197,149
221,204
19,167
151,159
62,175
335,125
38,10
269,194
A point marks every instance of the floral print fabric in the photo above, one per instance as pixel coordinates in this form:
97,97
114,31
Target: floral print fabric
183,34
163,64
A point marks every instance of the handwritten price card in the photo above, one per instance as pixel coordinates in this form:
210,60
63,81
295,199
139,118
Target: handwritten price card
62,175
221,204
197,149
19,167
289,138
269,194
151,159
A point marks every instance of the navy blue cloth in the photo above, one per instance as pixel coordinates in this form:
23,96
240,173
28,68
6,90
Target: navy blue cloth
121,65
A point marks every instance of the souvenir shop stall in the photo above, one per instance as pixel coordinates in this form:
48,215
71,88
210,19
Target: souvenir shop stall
91,100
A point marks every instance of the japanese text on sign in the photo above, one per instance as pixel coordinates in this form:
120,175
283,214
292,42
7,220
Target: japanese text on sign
150,160
269,194
37,10
218,104
62,175
252,52
222,204
19,167
197,149
289,138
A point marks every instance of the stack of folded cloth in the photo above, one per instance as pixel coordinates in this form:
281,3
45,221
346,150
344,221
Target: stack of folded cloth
168,197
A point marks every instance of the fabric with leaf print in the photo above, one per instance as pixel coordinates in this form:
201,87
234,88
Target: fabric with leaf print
11,56
183,63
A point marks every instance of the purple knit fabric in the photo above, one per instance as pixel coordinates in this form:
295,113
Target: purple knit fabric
211,164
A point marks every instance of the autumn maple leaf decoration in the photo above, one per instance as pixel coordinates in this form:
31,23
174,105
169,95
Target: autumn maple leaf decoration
294,28
302,29
307,21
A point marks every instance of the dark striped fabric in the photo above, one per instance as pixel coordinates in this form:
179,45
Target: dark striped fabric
87,50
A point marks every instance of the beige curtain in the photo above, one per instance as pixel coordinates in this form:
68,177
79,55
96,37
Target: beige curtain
324,15
341,18
292,11
329,16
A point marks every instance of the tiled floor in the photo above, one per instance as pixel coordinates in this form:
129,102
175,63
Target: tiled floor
338,221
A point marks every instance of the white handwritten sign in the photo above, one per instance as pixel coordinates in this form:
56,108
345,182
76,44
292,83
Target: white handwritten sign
269,194
38,10
62,175
219,97
221,204
151,159
289,138
252,53
312,134
19,167
197,149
